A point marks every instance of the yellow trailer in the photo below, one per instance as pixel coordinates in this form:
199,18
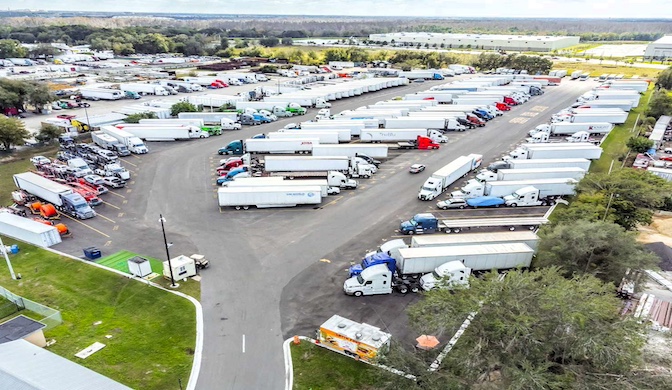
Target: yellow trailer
353,338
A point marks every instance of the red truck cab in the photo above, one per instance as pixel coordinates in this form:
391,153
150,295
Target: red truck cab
502,107
475,120
224,169
425,143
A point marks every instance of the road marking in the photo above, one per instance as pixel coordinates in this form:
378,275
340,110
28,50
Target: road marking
105,218
128,190
111,205
243,343
325,260
116,227
108,243
130,163
333,201
519,120
530,114
114,193
120,215
131,182
90,227
538,108
124,202
133,155
220,209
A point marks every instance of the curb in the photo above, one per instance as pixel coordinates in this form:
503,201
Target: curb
198,350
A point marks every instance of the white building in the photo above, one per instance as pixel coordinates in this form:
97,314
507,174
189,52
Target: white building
478,41
659,49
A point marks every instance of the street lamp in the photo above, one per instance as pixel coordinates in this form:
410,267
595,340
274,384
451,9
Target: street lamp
165,242
9,263
88,122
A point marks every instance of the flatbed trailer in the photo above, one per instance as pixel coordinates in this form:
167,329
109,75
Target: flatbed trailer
457,225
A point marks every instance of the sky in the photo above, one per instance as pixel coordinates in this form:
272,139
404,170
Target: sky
426,8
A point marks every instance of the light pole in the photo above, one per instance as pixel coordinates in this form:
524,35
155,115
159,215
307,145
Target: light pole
606,212
88,123
9,263
165,241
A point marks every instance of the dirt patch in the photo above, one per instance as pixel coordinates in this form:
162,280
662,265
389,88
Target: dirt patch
659,231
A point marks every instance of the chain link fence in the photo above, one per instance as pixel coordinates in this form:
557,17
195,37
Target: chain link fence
50,317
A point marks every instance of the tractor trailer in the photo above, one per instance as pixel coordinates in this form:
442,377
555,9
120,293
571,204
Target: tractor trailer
587,151
242,198
62,197
449,174
581,163
530,173
266,145
548,188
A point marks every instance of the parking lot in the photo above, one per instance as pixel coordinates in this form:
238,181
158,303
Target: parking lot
279,272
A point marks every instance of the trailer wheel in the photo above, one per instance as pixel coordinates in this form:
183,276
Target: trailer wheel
514,205
457,230
532,227
512,228
403,289
357,293
238,207
246,207
415,289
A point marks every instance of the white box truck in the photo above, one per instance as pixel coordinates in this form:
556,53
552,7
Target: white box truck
144,89
29,231
101,94
62,197
590,152
449,174
108,142
323,137
549,188
531,173
275,181
133,143
163,133
266,197
352,150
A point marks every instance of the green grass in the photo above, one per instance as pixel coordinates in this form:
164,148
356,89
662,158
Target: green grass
596,70
153,331
316,368
614,146
17,162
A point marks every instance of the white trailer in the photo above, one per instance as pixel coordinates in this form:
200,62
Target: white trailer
425,122
581,163
323,137
567,128
161,113
144,89
173,122
615,118
524,237
352,150
275,181
163,133
103,140
101,94
392,135
590,152
449,174
289,146
270,196
476,100
531,173
414,261
302,100
404,103
661,172
29,231
342,135
307,163
210,118
438,96
625,105
355,126
213,100
611,85
548,188
431,118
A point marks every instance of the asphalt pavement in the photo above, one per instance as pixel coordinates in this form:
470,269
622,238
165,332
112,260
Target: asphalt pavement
276,273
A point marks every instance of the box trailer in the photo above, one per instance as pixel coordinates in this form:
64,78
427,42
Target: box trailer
62,197
354,126
27,230
101,94
440,180
352,338
438,96
568,128
342,135
306,163
108,142
425,122
531,173
615,118
323,137
163,133
581,163
661,172
590,152
133,143
266,197
475,100
397,135
275,181
211,118
523,237
352,150
144,89
290,146
548,188
625,105
213,100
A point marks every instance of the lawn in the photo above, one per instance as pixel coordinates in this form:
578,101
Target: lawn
614,146
316,368
17,162
152,331
596,70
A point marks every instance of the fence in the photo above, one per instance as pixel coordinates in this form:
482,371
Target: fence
51,317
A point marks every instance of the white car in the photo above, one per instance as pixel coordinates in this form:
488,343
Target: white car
113,182
39,160
94,179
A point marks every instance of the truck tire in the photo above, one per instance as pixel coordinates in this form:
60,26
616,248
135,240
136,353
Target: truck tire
246,207
238,207
357,293
415,289
403,289
512,228
513,205
411,232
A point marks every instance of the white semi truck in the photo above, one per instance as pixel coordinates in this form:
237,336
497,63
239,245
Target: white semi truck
242,198
144,89
275,181
323,137
425,121
587,151
163,133
524,237
565,128
352,150
133,143
449,174
101,94
314,166
398,135
108,142
530,173
550,188
581,163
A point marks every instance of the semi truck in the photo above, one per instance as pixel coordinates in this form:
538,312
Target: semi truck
581,150
211,130
446,176
101,94
404,271
227,120
438,96
163,133
395,135
62,197
625,105
213,100
427,223
530,173
314,166
275,181
343,135
354,126
323,137
549,188
581,163
265,145
565,128
303,101
476,100
633,97
352,150
242,198
144,89
108,142
425,122
133,143
278,109
421,74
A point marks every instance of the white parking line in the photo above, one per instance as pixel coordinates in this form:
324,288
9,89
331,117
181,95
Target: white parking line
243,343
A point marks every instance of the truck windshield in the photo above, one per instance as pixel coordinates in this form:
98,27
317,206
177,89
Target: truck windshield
82,206
436,275
413,222
360,279
425,188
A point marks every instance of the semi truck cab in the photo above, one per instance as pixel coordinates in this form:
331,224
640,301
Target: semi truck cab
447,275
372,281
75,205
472,189
420,224
526,196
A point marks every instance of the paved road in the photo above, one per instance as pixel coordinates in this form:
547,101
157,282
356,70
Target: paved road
267,280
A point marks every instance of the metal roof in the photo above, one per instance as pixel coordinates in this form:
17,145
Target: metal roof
659,129
24,223
665,40
364,333
25,366
18,328
464,250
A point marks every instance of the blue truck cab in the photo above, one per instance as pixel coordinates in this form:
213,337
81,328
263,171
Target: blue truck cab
232,173
438,76
377,258
234,148
419,224
486,115
75,205
262,118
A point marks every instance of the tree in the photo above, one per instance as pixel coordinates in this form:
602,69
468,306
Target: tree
531,330
11,48
43,51
182,107
664,80
287,41
660,104
12,132
39,95
135,118
48,133
269,42
601,249
223,43
639,144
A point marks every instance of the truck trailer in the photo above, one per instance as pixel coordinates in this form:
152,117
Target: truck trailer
163,133
581,163
449,174
530,173
567,128
275,181
352,150
428,121
144,89
27,230
544,151
524,237
427,223
62,197
265,145
549,189
323,137
134,144
101,94
108,142
242,198
400,135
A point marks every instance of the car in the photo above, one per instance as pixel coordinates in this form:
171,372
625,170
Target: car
55,106
113,182
452,203
485,201
94,179
666,158
39,160
417,168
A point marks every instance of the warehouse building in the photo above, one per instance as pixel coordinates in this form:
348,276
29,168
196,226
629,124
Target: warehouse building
477,41
660,49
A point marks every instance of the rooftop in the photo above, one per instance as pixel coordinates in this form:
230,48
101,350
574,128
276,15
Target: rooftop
667,39
480,36
18,328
